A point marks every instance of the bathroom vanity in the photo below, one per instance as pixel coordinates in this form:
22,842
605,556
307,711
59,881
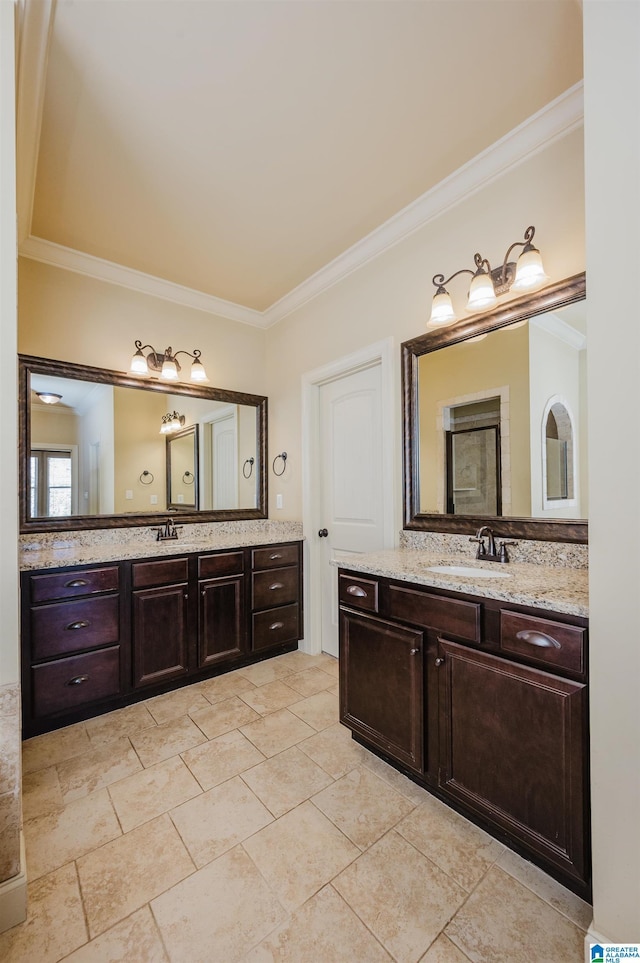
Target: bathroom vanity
99,636
481,699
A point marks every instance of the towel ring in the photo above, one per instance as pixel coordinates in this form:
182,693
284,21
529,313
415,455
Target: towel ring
283,457
188,478
249,462
144,476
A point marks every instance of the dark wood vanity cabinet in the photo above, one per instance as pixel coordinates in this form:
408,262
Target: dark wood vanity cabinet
481,701
95,638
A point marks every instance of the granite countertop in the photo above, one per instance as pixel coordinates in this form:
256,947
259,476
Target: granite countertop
557,589
59,551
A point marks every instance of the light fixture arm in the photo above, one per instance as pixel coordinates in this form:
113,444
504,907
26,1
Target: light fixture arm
440,283
528,238
195,354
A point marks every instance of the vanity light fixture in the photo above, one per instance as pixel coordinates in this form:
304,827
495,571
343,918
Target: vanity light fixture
49,397
172,421
166,363
488,283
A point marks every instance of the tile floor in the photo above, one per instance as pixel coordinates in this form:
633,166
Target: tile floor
236,820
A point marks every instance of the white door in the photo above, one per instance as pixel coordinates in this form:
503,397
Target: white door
352,472
225,463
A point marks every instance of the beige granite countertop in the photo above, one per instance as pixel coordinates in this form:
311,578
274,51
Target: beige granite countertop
59,550
557,589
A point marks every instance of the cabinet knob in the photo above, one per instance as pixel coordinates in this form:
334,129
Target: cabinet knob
82,624
186,595
414,651
79,679
439,662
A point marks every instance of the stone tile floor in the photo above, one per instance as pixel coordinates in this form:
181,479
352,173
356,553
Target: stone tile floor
236,820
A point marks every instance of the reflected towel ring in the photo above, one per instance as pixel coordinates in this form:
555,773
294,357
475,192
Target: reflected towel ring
249,462
283,456
188,478
144,476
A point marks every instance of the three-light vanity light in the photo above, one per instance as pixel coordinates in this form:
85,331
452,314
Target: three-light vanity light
166,363
172,421
487,284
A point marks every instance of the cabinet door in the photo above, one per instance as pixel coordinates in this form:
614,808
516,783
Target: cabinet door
221,625
512,745
381,685
159,634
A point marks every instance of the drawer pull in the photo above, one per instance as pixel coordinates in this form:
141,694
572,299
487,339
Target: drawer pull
76,583
356,590
539,639
82,624
276,625
78,680
275,555
275,585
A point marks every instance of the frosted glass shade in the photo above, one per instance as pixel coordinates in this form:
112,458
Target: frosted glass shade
197,372
530,273
481,293
139,364
169,370
442,312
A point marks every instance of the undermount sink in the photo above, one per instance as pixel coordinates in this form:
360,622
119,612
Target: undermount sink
467,571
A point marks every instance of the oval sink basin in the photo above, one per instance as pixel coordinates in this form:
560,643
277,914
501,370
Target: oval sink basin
467,571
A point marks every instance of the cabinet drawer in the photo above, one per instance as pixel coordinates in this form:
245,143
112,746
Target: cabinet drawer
358,593
229,563
453,616
67,683
164,572
276,587
275,626
274,557
543,641
65,585
73,626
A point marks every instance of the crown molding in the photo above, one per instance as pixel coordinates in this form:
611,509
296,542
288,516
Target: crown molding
34,25
47,252
558,328
559,118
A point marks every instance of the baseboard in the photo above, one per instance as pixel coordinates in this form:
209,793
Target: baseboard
13,896
594,937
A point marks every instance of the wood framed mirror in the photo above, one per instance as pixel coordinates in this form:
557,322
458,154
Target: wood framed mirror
96,457
476,403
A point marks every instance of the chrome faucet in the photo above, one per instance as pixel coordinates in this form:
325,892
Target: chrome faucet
168,530
489,552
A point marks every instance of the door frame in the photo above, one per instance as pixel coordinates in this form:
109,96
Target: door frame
382,353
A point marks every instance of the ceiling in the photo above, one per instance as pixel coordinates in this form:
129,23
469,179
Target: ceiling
237,147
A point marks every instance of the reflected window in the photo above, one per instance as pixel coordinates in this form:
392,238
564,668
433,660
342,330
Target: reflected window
50,483
559,453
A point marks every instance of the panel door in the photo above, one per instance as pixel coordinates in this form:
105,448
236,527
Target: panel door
512,745
159,634
221,632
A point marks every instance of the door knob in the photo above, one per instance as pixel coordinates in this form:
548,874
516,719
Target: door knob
323,533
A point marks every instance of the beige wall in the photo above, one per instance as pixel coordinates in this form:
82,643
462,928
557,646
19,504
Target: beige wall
391,295
612,140
53,427
139,447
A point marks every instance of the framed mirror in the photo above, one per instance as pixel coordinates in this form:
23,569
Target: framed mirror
103,449
495,420
182,469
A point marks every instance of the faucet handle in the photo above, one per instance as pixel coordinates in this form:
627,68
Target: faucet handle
504,555
481,546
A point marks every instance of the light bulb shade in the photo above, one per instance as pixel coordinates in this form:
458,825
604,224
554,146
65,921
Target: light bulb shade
139,364
49,397
197,372
169,370
482,295
530,273
175,424
442,312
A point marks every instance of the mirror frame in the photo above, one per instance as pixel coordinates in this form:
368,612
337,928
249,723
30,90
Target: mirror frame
183,433
551,298
28,364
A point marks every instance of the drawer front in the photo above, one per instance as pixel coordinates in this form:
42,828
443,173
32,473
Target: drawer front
67,683
165,572
68,585
543,641
73,626
274,557
213,566
276,587
275,626
358,593
453,616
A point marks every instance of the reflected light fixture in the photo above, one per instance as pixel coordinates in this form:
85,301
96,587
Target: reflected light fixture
172,421
49,397
166,363
487,283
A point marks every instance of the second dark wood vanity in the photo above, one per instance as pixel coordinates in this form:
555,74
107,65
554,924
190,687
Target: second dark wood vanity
482,701
97,637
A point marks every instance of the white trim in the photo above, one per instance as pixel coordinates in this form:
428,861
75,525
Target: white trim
382,353
73,451
554,504
13,895
558,328
559,118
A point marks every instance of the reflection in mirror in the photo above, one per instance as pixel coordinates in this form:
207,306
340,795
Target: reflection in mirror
182,469
496,420
97,451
